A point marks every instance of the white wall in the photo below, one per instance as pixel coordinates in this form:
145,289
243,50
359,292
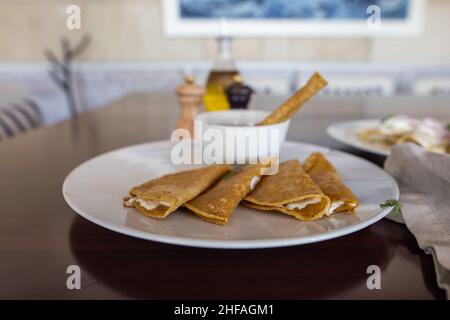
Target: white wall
131,30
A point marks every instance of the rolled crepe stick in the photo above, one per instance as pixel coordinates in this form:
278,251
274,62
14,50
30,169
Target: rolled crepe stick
326,177
293,104
159,197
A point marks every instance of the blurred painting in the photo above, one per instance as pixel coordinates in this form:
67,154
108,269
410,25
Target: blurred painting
290,9
294,17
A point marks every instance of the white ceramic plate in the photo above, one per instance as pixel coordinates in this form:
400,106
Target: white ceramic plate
95,190
347,133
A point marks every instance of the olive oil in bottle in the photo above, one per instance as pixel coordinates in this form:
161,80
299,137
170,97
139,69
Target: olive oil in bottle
215,97
221,75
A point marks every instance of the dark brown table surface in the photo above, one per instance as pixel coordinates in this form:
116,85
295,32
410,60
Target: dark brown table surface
40,236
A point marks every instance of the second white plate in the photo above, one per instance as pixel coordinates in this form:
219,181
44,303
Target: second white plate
347,133
96,188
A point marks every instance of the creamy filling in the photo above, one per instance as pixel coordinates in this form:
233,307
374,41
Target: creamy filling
429,134
334,205
301,204
147,204
399,124
254,182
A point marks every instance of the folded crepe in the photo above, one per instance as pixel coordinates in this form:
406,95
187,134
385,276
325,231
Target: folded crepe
158,198
218,203
326,177
290,191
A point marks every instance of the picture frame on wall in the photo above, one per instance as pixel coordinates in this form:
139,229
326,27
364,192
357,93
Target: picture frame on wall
294,18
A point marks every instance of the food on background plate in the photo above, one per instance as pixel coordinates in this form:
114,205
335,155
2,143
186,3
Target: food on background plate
315,83
324,174
159,197
218,203
427,133
290,191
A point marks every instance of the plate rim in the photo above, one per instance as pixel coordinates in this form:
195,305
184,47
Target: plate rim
232,244
331,131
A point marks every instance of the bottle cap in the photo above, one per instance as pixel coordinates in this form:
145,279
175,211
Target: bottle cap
237,78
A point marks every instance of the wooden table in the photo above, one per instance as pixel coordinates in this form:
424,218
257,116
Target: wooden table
40,236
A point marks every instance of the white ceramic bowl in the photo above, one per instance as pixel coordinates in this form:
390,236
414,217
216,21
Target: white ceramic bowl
236,134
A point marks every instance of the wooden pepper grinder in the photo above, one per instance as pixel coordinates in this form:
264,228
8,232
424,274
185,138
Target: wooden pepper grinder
189,97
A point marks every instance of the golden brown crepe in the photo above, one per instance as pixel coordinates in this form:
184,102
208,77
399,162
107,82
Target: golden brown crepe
290,191
218,203
159,197
326,177
315,83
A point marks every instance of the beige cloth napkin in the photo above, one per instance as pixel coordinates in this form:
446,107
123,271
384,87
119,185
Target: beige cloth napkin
424,181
